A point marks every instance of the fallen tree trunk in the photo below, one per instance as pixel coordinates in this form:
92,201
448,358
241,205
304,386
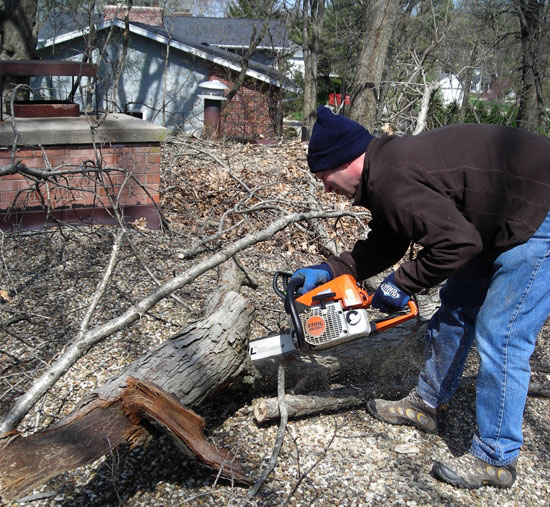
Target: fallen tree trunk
266,410
100,427
391,358
203,359
135,311
160,387
389,362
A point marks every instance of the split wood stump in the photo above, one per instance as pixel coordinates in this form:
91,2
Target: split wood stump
160,387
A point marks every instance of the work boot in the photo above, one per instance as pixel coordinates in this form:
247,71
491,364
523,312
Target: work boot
471,472
411,411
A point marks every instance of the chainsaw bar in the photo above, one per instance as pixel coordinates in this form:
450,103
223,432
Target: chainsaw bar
274,345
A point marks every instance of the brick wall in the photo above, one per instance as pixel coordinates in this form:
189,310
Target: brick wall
146,15
252,112
142,160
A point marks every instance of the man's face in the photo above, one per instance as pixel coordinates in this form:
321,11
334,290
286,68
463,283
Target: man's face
343,180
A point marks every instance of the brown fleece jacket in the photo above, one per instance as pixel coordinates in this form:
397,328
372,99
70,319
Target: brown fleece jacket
458,191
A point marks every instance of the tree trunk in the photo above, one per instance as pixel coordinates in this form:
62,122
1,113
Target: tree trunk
182,372
312,23
532,16
245,59
206,357
91,337
467,83
18,29
267,409
114,104
18,36
421,121
97,428
379,21
387,361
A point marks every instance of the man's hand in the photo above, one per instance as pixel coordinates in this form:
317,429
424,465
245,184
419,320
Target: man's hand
389,298
313,277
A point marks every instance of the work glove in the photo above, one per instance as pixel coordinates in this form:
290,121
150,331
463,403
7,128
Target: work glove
389,298
313,277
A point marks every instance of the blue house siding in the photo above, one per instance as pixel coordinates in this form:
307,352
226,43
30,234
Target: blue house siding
140,90
142,84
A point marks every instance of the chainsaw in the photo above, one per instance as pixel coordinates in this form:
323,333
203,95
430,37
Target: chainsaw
330,314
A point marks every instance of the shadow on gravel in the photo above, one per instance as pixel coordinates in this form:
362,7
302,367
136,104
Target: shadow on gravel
458,422
127,472
457,425
540,430
161,466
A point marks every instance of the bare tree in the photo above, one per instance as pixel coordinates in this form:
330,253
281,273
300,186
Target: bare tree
533,16
266,12
415,59
379,20
121,61
312,17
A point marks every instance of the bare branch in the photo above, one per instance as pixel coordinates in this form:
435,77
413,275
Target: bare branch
280,432
136,311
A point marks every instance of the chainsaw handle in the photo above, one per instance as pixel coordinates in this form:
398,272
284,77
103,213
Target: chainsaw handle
399,319
285,278
292,311
288,295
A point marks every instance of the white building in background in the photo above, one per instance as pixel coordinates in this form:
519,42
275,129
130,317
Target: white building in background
450,89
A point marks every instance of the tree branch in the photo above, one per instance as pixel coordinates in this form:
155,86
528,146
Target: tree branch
280,432
96,335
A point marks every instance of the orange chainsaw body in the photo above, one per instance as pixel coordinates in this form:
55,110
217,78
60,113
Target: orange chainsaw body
345,289
330,314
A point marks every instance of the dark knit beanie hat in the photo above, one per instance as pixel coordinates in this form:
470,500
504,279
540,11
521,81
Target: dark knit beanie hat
335,140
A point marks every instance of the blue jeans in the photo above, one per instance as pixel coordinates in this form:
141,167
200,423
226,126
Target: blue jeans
502,302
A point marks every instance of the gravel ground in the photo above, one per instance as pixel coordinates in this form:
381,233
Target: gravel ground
344,458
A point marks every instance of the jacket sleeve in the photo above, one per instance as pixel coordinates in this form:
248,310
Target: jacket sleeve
381,249
411,210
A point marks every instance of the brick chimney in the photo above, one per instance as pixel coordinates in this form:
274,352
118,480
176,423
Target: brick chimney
147,15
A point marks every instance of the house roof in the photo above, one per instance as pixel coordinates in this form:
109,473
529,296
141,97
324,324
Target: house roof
223,32
189,45
56,24
228,32
217,55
